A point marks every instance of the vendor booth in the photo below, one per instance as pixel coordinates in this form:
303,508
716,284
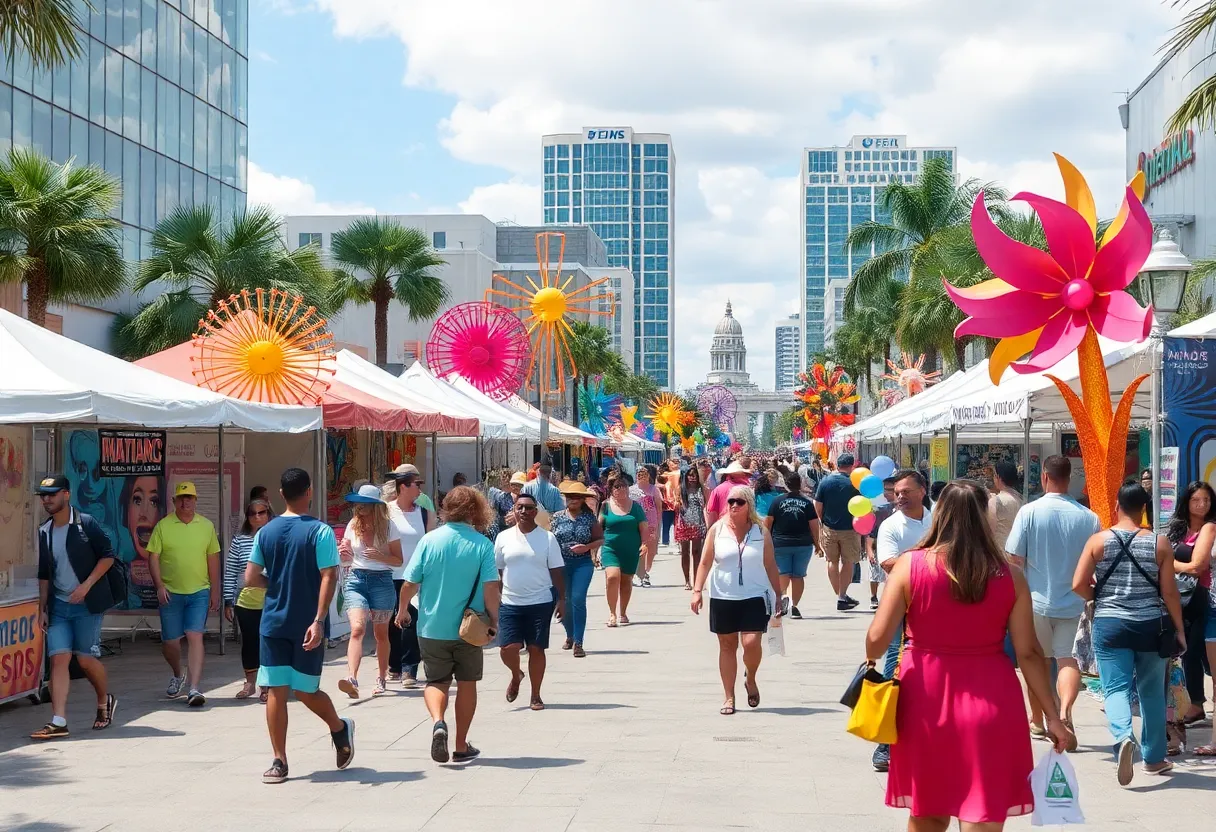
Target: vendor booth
124,436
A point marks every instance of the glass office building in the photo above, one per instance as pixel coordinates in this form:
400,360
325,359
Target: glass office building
622,184
840,190
159,98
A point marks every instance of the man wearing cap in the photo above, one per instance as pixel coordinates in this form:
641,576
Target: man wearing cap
185,566
734,474
543,489
838,541
75,588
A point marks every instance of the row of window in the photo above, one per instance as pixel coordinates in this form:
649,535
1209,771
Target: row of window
881,166
566,151
655,328
860,178
880,155
131,25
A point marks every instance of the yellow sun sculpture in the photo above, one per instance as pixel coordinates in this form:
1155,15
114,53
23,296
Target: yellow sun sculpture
629,416
667,413
544,308
264,346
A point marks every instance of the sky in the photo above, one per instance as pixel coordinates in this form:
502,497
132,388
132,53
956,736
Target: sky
412,106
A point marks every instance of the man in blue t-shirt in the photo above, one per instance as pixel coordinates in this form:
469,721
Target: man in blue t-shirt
295,557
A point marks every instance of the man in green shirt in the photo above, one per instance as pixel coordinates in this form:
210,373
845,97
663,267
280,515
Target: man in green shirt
185,566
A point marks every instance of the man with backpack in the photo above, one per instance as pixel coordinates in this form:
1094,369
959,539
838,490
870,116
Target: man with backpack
78,580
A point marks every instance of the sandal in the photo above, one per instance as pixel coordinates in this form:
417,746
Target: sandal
380,686
624,620
1205,751
247,690
728,708
264,695
567,644
513,687
105,715
537,704
753,699
612,621
51,731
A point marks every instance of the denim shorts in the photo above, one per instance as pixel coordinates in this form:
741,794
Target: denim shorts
73,629
184,614
370,589
793,560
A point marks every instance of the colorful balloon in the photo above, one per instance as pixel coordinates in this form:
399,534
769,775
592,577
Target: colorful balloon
864,524
859,474
860,506
871,487
882,467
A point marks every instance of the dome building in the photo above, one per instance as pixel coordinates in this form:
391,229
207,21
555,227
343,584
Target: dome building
728,354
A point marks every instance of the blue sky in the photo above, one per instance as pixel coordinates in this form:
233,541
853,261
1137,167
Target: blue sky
407,106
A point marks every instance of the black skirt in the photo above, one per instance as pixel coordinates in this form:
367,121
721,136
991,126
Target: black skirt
750,615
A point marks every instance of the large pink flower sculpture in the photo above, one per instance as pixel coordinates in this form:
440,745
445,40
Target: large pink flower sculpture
1056,302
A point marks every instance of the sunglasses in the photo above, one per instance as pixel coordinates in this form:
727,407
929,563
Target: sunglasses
735,501
259,513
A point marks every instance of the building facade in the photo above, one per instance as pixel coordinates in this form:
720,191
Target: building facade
840,188
1179,172
474,250
622,184
788,348
159,98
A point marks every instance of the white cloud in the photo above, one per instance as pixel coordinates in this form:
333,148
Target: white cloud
743,87
515,200
264,56
290,196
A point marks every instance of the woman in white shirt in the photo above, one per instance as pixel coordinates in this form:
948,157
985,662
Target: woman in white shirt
739,563
412,520
372,547
531,564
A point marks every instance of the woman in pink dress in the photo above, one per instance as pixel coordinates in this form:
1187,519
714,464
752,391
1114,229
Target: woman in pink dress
964,740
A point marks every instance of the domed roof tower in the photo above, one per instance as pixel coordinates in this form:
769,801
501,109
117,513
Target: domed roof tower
728,354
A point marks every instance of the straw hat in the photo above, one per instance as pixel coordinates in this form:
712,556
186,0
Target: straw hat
733,468
519,478
574,488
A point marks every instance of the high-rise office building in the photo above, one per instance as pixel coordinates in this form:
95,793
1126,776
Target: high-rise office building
789,340
622,184
158,98
840,190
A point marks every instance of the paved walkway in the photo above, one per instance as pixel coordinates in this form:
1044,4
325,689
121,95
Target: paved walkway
631,739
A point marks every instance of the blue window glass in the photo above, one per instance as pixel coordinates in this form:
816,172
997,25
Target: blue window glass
549,151
549,215
439,240
563,215
79,142
563,198
563,151
563,166
130,182
578,214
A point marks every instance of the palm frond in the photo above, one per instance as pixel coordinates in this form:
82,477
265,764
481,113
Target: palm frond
873,275
1198,108
46,29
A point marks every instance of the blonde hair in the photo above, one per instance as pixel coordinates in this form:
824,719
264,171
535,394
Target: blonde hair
745,491
370,520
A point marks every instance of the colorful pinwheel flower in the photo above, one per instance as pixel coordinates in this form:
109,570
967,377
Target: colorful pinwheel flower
828,397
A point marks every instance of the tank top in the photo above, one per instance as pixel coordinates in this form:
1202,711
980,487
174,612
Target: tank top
1125,593
1184,550
738,572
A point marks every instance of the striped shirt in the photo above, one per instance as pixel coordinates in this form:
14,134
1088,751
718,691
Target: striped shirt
1126,594
234,575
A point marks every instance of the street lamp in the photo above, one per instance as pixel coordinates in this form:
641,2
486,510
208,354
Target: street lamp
1162,282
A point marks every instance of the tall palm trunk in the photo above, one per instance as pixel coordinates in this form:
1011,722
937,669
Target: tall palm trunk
381,295
960,353
37,293
930,359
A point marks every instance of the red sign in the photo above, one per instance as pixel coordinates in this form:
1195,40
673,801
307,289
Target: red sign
20,650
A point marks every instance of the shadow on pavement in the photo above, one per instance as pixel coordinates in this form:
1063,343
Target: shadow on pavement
794,711
366,776
618,652
28,771
584,706
528,762
35,826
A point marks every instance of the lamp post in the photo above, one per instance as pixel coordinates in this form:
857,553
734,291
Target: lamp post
1162,282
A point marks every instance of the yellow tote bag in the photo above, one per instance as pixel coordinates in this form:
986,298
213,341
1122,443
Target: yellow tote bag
873,718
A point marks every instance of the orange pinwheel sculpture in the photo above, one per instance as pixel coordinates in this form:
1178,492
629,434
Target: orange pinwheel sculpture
544,308
264,346
1056,302
828,396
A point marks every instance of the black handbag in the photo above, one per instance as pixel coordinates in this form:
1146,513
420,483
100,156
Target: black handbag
866,672
1167,638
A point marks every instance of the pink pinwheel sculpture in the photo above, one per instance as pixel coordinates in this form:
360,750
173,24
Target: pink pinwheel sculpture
484,343
1056,302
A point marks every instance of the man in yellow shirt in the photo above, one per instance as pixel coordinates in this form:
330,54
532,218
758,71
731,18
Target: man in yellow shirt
185,566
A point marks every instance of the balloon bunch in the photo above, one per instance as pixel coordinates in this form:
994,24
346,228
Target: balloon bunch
868,481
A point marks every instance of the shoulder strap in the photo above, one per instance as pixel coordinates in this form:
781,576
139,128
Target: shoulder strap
1155,585
476,583
425,518
1124,551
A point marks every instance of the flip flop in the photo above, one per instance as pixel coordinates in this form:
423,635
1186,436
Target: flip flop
611,621
1205,751
727,710
513,687
247,690
105,716
753,699
537,704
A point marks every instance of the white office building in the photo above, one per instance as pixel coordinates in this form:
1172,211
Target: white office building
622,184
788,348
840,188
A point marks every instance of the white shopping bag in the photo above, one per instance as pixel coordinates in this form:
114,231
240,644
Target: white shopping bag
774,639
1057,800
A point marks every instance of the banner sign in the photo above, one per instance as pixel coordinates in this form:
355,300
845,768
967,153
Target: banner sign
1189,397
1167,487
20,650
983,411
132,453
939,458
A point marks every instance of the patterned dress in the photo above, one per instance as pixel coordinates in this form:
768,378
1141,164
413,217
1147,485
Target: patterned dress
571,530
690,520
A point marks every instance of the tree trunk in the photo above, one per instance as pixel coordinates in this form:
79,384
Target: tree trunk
930,359
381,297
36,295
960,354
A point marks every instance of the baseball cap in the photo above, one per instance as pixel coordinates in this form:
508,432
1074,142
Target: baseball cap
185,489
519,478
401,471
53,485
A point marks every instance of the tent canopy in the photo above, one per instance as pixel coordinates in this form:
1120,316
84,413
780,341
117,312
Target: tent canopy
48,378
429,414
1205,327
495,424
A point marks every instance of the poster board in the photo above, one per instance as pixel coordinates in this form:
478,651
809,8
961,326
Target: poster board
16,502
1168,486
21,650
1189,398
939,459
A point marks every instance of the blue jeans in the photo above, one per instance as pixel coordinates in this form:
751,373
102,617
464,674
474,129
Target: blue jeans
579,572
1124,663
669,520
73,629
892,656
184,614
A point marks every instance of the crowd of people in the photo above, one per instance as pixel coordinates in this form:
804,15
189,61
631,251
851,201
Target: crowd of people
967,582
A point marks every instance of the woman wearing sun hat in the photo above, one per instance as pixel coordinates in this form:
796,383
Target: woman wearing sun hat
580,535
372,546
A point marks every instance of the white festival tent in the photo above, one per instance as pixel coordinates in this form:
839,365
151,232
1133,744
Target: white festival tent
496,423
46,378
1203,328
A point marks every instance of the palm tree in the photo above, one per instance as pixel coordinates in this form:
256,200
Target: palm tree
918,213
201,260
46,29
1199,106
57,235
591,349
619,380
386,261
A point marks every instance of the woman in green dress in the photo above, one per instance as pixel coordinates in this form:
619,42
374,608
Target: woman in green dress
625,528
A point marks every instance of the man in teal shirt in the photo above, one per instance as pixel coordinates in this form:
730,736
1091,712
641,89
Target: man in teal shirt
452,568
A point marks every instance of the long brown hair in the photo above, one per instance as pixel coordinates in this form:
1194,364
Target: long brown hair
960,539
370,524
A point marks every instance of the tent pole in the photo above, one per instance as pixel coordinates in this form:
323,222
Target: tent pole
321,485
1026,459
435,469
223,530
953,460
